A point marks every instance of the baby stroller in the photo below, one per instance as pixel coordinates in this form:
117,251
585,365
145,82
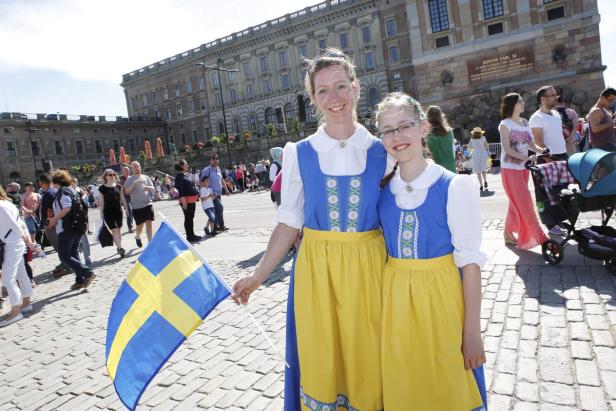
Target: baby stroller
594,171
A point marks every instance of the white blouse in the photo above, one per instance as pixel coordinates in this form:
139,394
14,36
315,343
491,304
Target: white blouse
336,158
10,223
463,210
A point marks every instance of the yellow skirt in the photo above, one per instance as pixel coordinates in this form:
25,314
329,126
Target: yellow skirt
423,318
338,280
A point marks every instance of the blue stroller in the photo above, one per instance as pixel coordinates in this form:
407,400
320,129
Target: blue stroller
595,173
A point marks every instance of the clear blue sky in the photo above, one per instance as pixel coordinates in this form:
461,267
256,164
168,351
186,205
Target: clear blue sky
68,56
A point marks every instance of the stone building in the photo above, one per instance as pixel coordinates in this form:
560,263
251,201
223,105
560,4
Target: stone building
268,87
461,54
37,141
467,55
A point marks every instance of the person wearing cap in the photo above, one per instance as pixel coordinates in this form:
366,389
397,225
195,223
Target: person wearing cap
479,158
546,124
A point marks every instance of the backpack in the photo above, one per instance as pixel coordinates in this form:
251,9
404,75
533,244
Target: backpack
76,220
567,122
279,167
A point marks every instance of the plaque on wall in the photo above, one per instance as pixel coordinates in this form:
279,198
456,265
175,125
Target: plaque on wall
496,66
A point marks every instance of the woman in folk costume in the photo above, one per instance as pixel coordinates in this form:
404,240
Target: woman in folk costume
331,189
432,350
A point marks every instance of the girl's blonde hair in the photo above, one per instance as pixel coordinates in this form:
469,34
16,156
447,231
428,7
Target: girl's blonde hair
329,57
401,102
3,195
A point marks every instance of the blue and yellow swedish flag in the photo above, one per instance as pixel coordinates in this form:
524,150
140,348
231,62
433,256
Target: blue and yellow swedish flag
165,296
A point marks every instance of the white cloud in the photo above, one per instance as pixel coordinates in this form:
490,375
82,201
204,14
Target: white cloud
101,40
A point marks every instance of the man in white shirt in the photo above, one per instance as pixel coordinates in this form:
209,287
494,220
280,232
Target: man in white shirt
546,124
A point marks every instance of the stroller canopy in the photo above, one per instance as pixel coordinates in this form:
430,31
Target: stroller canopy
595,171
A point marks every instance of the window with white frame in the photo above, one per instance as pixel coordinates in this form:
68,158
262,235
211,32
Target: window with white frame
178,109
188,86
167,113
215,80
10,149
191,106
366,35
267,86
438,15
78,146
322,44
166,93
282,58
250,92
286,84
202,103
252,121
394,56
144,99
492,8
344,40
232,75
194,135
302,50
390,27
264,64
200,83
247,69
59,147
232,96
176,89
218,98
369,62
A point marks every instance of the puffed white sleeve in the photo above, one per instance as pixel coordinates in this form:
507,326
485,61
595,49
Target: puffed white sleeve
464,220
291,210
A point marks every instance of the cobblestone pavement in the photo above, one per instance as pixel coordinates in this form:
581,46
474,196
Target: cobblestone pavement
548,332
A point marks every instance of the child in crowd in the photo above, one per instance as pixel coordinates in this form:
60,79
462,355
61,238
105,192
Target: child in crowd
432,352
207,202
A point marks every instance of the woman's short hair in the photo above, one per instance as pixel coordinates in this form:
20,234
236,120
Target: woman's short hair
61,178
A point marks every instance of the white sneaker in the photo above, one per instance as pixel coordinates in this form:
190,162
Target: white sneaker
18,317
27,309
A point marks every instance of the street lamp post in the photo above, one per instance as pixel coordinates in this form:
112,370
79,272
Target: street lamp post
31,130
222,98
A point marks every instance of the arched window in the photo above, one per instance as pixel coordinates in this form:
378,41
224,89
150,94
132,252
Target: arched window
252,122
236,125
289,111
15,176
373,98
310,112
270,117
221,128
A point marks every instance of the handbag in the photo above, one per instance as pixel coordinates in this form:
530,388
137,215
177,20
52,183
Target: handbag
2,247
105,238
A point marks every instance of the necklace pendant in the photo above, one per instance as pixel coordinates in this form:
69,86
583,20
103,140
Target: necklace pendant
342,144
409,188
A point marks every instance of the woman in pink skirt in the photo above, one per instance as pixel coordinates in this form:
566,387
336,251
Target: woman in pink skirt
516,139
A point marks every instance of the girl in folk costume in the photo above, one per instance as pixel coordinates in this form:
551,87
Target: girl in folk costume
431,344
331,190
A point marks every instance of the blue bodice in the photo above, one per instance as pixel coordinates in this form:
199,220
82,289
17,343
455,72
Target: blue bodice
419,233
341,203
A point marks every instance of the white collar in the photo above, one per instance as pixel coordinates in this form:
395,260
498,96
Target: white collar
323,143
422,182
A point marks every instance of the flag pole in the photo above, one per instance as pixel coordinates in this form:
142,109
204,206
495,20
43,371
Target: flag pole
243,306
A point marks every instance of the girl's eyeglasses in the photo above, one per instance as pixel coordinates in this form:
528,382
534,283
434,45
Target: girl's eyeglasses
400,129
